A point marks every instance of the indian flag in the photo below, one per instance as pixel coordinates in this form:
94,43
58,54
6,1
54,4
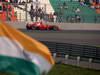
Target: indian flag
22,55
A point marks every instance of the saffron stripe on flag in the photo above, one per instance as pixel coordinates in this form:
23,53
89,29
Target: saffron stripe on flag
28,43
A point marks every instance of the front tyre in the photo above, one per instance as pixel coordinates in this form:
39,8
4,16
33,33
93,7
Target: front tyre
55,28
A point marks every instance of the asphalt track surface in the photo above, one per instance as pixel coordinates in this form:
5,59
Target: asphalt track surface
91,38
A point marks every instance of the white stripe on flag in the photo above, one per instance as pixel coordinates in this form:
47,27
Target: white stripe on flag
12,48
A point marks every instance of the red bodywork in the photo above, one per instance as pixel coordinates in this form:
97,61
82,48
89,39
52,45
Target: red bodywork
41,26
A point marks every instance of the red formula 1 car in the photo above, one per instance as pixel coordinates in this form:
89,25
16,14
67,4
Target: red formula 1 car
41,26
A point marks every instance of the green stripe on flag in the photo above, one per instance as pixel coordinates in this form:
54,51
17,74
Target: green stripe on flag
17,66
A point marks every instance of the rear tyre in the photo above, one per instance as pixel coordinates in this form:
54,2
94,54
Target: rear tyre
28,28
33,28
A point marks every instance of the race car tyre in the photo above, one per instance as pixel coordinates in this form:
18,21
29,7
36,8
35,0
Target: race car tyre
37,28
55,28
33,28
48,29
28,28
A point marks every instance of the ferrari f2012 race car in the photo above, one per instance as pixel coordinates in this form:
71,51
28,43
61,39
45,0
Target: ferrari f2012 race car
41,26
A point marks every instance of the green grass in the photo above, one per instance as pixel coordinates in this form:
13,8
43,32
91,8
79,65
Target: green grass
62,69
